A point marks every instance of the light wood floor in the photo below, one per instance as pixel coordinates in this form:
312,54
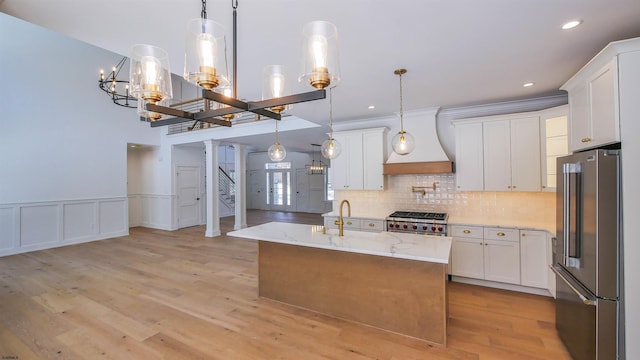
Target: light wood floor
178,295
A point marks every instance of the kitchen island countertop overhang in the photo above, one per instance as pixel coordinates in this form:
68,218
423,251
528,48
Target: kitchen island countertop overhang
393,281
429,248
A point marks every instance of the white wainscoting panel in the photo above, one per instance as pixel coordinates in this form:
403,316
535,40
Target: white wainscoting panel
113,217
135,211
39,224
157,211
35,226
8,233
79,221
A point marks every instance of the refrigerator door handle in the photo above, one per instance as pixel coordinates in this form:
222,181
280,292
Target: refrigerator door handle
571,241
585,300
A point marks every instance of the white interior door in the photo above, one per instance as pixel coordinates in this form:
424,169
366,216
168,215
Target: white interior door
302,191
188,182
256,189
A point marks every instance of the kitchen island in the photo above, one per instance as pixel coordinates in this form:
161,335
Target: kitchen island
393,281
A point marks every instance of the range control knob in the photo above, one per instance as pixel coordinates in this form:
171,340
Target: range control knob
405,226
390,226
440,228
397,226
415,227
433,228
424,227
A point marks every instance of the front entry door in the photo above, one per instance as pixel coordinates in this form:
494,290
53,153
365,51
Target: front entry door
279,183
188,183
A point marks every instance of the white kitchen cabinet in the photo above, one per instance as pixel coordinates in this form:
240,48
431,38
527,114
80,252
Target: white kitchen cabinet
373,160
594,104
512,154
359,165
501,255
467,251
486,253
354,223
553,143
469,158
347,168
534,262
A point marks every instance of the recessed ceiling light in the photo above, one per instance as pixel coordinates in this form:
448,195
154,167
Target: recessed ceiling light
571,24
371,107
528,84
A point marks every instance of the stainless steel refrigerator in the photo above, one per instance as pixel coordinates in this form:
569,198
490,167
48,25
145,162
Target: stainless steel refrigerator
588,255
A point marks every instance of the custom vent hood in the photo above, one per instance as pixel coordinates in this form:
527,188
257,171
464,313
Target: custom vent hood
428,157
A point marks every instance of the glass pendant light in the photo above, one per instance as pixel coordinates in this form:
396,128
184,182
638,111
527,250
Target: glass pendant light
331,147
149,74
320,55
403,143
276,151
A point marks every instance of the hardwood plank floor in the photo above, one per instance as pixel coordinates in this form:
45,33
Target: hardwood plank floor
178,295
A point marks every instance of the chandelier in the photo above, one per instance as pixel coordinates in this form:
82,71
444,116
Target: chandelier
315,168
206,67
118,90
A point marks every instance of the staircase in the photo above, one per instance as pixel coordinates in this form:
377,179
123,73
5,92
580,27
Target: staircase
226,193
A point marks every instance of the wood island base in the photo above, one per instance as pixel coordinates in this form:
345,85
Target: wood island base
408,297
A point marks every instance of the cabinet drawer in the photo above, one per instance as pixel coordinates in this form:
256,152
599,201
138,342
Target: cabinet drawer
372,225
351,224
501,234
467,231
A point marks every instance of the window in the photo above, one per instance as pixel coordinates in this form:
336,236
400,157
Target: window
278,165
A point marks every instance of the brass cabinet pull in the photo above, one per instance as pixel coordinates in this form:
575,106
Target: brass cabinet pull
501,233
372,224
349,223
524,234
467,231
586,140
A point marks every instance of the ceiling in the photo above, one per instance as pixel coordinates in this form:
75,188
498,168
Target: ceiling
457,52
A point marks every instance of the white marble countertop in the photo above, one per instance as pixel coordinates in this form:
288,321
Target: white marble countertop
398,245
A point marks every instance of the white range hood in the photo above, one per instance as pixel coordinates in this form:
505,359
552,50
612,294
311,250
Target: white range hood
428,157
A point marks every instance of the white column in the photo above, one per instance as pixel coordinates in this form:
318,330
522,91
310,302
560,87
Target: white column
213,196
240,159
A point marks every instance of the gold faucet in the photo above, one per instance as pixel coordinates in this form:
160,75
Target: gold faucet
340,221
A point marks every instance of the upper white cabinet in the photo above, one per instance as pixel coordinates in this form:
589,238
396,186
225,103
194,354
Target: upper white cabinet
512,154
359,165
553,143
594,97
469,159
499,153
594,110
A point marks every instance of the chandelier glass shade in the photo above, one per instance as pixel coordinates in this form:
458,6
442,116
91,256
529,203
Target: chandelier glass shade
149,74
403,142
276,151
274,85
205,62
320,66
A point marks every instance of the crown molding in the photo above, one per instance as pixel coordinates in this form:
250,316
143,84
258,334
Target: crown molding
507,107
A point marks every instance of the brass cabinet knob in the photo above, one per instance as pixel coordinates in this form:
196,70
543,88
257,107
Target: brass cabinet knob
586,140
467,231
349,223
501,233
513,187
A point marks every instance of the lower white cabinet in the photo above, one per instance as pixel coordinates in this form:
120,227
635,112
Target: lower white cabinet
533,258
351,223
505,255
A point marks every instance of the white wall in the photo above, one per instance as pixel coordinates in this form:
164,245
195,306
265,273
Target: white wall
63,144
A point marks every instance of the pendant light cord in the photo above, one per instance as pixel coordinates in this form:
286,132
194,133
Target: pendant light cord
331,112
203,13
401,112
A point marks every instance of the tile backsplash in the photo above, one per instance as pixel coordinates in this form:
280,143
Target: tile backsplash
525,209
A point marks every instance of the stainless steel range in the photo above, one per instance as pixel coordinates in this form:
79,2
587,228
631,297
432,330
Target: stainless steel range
417,222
